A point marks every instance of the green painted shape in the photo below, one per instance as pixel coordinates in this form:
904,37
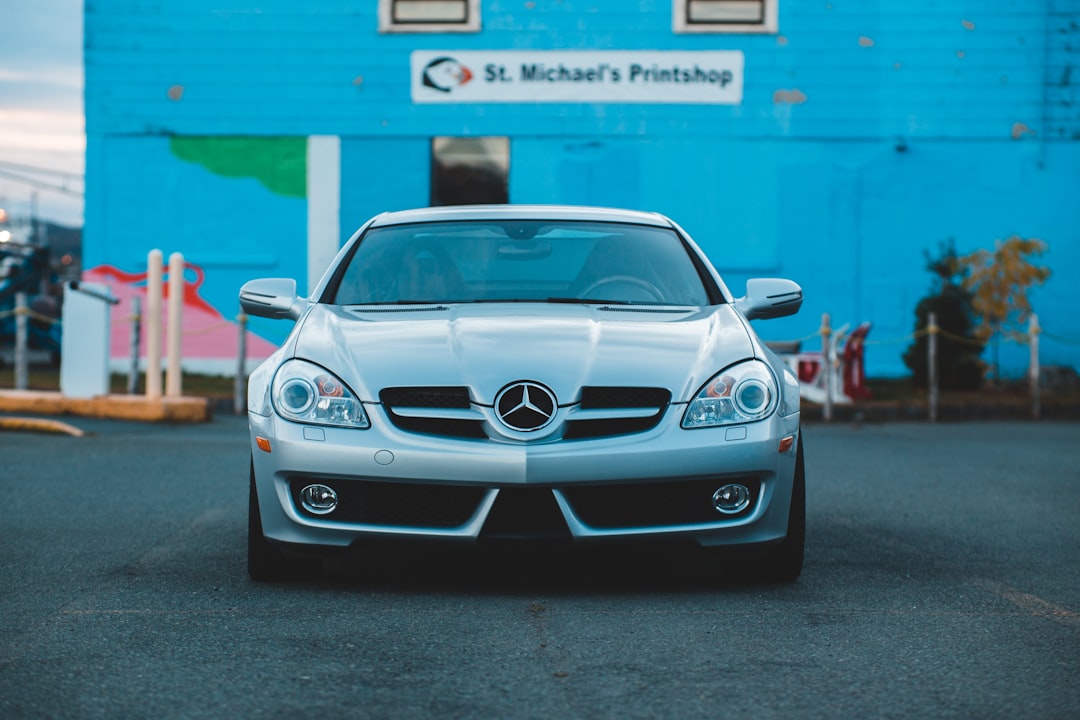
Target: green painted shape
279,163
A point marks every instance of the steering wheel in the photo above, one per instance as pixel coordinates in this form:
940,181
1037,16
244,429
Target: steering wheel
654,292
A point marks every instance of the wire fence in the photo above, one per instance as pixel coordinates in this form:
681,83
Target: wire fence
833,384
1019,338
830,339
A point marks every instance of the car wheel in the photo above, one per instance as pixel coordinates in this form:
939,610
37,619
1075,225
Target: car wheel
784,561
265,562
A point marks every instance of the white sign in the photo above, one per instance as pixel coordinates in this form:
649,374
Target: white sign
573,76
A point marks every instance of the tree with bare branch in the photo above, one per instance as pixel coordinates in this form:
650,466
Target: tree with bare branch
999,282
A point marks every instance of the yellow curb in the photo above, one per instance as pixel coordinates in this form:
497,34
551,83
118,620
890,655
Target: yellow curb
39,425
115,407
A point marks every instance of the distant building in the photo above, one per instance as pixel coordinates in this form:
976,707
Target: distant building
829,142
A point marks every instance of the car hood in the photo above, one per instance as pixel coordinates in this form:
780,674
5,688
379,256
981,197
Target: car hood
485,347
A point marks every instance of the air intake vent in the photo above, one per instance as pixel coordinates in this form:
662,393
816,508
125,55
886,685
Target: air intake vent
624,397
630,399
376,310
426,397
653,504
521,513
397,504
447,424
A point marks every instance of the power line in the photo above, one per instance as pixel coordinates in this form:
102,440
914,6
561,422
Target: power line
40,184
35,170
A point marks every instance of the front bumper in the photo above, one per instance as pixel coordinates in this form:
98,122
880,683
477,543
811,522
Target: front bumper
577,479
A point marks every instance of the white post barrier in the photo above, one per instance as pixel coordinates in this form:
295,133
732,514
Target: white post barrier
931,365
241,366
22,375
153,324
1033,366
136,327
827,366
176,313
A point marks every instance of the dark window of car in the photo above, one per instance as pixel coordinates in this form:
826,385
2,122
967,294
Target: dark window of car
522,261
470,171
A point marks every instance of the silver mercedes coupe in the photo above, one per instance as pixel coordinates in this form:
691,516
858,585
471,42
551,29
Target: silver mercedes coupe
512,372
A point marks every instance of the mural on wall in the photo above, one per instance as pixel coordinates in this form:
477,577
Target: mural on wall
207,334
279,163
235,207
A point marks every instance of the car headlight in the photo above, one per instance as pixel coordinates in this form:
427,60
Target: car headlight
740,394
306,393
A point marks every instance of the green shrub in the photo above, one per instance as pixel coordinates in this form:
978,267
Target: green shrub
958,348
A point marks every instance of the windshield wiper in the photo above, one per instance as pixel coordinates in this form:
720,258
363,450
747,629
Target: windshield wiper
586,301
490,301
554,300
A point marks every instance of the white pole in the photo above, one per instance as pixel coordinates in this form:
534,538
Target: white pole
1033,365
176,313
931,364
827,365
22,381
153,324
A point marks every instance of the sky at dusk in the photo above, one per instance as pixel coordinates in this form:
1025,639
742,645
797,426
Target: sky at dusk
41,108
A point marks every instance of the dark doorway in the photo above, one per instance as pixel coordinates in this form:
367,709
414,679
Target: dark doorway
470,171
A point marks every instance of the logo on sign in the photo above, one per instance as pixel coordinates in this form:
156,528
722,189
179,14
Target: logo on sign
445,73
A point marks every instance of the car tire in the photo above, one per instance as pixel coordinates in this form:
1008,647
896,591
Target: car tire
784,561
265,561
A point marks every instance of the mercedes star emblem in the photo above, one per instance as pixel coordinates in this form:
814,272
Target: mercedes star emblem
525,406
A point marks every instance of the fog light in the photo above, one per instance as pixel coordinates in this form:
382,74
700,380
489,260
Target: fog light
731,499
319,499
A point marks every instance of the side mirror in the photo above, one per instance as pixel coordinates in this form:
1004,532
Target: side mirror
273,298
769,298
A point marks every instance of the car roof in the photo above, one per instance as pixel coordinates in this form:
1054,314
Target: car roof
520,212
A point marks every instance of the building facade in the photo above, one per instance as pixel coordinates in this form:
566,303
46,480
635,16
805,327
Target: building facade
833,142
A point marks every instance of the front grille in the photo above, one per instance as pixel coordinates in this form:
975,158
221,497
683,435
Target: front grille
449,398
426,397
397,400
447,427
652,504
615,398
624,397
525,513
399,504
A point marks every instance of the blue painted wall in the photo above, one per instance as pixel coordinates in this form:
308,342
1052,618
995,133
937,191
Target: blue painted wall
869,132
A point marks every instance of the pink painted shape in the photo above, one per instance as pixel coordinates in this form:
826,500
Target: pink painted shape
206,333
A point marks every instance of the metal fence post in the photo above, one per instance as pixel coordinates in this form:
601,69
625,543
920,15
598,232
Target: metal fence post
1033,366
931,364
136,328
22,381
241,366
827,366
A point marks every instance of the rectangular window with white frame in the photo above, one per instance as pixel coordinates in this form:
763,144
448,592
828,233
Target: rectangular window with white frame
725,16
416,16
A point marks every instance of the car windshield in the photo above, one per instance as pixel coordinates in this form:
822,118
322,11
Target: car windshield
520,261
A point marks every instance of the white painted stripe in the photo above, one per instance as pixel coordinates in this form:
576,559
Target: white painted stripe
324,204
1033,605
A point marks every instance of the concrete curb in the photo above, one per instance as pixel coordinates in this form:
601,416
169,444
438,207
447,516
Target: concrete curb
115,407
952,411
18,424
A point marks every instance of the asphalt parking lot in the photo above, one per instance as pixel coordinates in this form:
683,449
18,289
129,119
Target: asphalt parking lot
942,580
